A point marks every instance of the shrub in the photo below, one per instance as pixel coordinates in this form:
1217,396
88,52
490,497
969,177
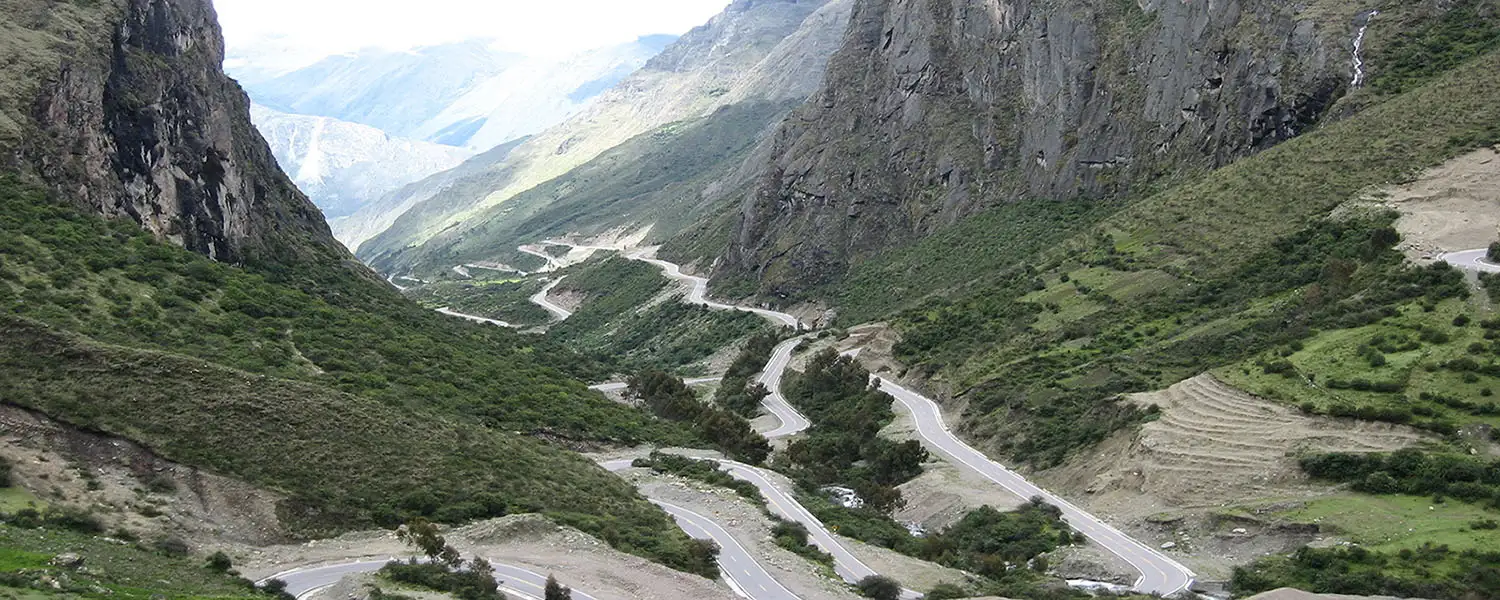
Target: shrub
947,591
879,587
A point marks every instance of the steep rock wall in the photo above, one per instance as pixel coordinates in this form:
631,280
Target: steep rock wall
935,109
131,116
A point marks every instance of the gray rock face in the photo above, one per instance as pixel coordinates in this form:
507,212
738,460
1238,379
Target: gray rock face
134,118
935,109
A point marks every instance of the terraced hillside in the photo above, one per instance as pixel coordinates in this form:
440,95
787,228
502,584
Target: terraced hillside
1213,442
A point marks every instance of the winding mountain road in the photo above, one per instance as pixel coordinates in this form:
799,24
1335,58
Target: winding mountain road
1471,260
475,318
617,386
792,422
1159,573
540,299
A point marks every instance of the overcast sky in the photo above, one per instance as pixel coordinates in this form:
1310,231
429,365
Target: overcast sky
316,28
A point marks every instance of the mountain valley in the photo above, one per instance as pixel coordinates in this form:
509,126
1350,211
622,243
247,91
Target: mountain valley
821,299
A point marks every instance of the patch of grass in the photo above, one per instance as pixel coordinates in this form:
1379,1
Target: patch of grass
1434,378
16,498
1469,29
1389,523
129,571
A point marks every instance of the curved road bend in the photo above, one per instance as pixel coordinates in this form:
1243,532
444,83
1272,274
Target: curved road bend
540,299
1471,260
1159,573
513,580
477,319
792,422
553,263
697,286
741,570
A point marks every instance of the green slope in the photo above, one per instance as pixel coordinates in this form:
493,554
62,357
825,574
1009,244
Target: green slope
384,408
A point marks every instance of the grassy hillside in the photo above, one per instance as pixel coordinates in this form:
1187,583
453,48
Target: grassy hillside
346,462
1039,316
388,408
326,326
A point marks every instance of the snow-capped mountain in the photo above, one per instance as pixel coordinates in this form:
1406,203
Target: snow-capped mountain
342,166
461,94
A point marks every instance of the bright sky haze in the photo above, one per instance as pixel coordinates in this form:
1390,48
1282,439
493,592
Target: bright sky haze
304,30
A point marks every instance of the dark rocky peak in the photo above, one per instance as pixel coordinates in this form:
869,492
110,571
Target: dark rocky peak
134,118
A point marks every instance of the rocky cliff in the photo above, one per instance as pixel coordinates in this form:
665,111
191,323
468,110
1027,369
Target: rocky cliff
121,107
935,109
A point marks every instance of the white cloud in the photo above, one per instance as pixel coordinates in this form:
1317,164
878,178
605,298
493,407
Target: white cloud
315,28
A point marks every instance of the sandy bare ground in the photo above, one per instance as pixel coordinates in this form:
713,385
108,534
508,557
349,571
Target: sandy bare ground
128,488
1454,206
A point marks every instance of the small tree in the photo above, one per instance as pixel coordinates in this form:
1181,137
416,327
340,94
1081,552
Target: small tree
1493,254
423,534
556,591
879,587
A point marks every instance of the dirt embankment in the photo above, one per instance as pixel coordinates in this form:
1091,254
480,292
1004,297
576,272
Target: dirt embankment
1454,206
129,488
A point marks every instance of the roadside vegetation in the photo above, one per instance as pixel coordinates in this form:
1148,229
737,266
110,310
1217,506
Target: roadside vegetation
843,447
669,398
737,392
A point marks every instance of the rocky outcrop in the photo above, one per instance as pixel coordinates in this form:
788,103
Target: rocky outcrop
131,116
936,109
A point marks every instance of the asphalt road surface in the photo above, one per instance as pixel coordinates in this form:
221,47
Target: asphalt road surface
477,319
1159,573
792,422
740,568
540,299
1471,260
514,581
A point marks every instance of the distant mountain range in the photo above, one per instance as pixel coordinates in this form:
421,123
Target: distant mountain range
343,165
465,94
